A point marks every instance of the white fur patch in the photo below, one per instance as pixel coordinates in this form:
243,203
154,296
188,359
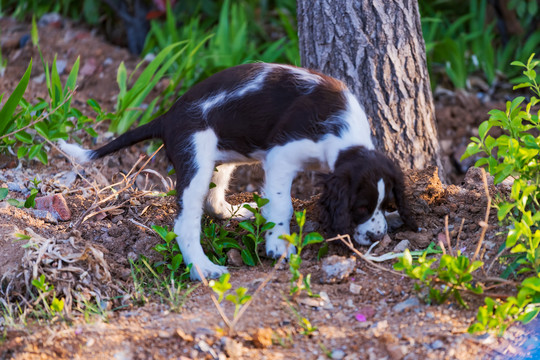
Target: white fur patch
376,225
78,153
216,100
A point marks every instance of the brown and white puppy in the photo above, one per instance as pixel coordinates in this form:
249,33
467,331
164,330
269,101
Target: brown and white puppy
287,118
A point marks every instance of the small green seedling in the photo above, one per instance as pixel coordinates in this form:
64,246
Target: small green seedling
256,229
298,282
172,257
44,288
450,277
222,286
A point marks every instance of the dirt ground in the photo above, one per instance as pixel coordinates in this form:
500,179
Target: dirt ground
371,314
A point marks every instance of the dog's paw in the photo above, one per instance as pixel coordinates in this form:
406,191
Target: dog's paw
208,269
276,247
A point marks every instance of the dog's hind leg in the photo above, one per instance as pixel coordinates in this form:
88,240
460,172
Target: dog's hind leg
215,204
194,172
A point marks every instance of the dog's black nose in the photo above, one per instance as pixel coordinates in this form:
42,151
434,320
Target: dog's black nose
375,236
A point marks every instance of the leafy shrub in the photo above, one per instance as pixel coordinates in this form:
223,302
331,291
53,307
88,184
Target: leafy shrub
515,154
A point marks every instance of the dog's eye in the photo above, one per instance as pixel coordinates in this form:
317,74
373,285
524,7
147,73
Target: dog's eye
362,210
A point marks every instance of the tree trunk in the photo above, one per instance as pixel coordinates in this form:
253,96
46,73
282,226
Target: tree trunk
376,48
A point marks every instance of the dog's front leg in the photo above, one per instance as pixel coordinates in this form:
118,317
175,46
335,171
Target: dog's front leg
277,188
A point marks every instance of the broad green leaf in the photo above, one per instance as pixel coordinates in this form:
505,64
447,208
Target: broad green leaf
247,258
532,283
312,238
24,137
7,111
3,193
246,225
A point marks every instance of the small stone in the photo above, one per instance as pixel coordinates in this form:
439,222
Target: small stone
13,186
55,204
385,242
66,179
401,246
327,304
407,304
337,268
61,66
89,67
232,348
337,354
355,288
234,258
395,351
437,344
262,338
45,215
183,335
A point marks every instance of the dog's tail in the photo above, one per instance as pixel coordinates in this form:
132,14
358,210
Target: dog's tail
152,130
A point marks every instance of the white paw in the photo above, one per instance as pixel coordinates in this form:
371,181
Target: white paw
208,269
276,247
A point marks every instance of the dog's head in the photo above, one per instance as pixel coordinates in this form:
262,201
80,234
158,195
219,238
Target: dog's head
363,185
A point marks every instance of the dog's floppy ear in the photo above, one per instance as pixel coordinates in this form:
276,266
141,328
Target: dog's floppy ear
394,174
335,215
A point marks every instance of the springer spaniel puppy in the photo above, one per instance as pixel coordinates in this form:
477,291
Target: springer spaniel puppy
289,119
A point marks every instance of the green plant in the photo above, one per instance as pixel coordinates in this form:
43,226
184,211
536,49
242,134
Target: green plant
298,281
498,315
3,193
515,154
452,275
307,328
239,298
172,257
256,230
218,240
171,289
45,289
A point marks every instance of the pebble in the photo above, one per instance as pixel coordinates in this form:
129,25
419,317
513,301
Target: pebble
437,344
45,215
234,257
337,268
12,186
355,288
407,304
337,354
401,246
66,179
262,338
232,348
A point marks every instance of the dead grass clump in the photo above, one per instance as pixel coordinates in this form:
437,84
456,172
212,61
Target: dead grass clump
77,270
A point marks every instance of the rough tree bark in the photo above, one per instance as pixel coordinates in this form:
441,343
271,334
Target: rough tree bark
376,48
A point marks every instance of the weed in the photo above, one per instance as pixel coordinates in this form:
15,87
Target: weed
298,281
307,328
56,306
239,298
515,154
453,274
256,230
218,240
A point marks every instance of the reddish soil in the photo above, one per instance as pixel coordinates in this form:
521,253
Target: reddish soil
362,319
